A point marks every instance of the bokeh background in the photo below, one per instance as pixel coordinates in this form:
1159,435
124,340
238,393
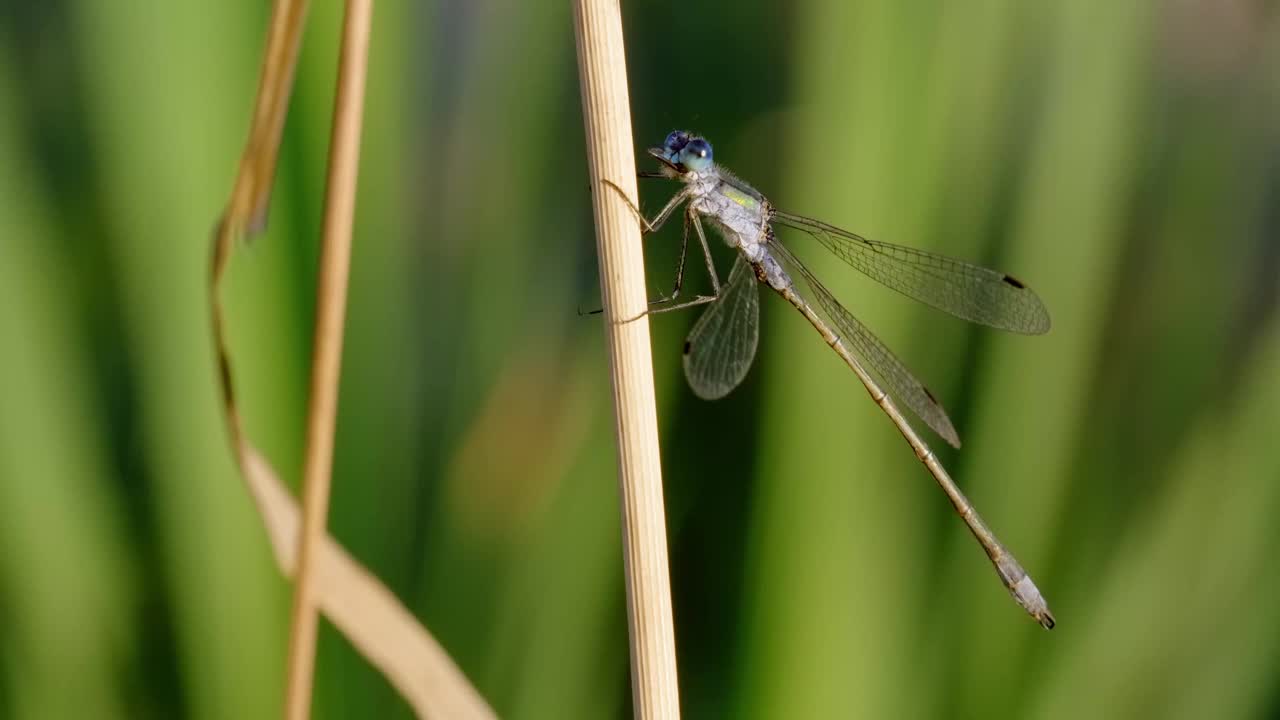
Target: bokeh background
1121,157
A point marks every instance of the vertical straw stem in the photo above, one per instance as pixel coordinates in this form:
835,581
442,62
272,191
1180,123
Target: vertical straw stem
606,114
331,300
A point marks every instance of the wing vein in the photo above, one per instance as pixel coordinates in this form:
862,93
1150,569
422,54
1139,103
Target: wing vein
968,291
877,357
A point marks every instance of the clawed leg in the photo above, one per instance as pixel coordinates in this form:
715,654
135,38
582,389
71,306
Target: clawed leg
700,300
706,252
690,219
684,253
651,226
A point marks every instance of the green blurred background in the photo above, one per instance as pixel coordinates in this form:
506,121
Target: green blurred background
1121,157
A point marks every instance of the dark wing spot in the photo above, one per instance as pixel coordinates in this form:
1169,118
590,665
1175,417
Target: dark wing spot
930,394
1014,282
687,345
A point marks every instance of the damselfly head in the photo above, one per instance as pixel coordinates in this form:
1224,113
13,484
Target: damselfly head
682,152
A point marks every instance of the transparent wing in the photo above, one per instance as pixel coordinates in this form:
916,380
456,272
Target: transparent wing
896,378
968,291
722,344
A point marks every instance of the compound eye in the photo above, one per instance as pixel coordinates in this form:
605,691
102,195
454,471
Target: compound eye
676,141
696,155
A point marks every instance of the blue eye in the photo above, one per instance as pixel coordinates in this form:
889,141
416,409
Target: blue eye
696,155
676,141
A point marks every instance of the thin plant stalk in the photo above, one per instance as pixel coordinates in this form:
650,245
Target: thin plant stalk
331,300
610,155
351,597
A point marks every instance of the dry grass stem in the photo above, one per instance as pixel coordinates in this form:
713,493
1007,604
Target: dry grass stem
364,610
606,113
371,617
326,357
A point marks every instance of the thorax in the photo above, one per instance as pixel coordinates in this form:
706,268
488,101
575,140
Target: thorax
735,209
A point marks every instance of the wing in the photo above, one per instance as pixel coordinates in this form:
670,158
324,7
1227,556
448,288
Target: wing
880,360
968,291
722,344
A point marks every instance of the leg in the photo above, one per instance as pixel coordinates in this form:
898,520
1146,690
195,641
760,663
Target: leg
658,222
706,253
652,226
675,291
684,253
690,218
700,300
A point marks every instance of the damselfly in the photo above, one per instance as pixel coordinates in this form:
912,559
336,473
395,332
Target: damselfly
720,347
